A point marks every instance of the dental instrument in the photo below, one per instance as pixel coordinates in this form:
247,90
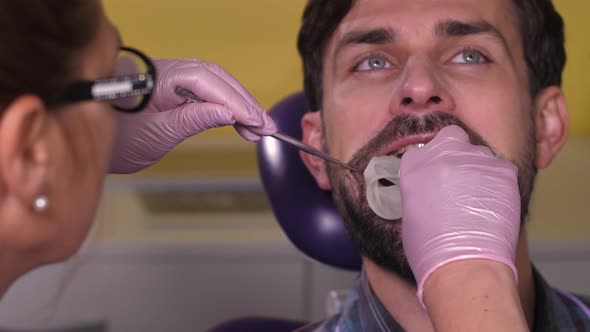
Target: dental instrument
187,94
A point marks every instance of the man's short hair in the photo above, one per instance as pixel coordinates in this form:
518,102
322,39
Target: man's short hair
541,32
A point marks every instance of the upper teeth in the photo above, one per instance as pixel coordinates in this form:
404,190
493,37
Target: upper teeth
400,152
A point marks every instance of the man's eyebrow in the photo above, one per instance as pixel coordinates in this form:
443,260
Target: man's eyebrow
453,28
373,36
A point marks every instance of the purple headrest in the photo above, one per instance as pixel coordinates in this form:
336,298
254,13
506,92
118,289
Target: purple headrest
306,213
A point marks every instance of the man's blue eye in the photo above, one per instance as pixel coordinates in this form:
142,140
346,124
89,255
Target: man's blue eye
469,57
373,63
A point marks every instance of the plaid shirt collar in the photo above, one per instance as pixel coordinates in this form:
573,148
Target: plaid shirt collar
554,311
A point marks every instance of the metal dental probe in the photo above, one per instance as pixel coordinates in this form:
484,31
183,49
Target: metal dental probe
182,92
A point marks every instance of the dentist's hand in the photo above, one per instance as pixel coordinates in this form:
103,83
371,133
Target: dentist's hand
460,202
144,138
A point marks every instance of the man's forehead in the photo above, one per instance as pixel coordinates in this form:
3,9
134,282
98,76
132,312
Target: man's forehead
405,16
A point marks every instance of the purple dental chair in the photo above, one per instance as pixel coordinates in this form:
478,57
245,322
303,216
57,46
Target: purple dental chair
306,213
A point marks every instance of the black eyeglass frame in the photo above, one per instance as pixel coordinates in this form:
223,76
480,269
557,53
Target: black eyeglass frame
116,87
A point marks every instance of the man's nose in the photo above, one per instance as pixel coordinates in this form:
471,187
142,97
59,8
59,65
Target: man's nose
422,90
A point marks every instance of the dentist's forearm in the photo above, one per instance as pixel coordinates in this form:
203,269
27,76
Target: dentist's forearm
474,295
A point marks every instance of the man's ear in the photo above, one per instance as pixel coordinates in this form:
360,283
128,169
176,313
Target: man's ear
24,152
313,135
552,124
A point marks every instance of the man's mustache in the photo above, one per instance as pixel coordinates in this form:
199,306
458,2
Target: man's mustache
410,124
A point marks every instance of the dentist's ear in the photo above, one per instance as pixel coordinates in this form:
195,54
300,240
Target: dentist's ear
311,124
24,155
552,124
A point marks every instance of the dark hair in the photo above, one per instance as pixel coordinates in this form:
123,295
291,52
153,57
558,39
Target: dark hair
541,31
41,41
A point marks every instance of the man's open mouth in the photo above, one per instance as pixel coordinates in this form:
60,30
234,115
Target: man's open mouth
400,152
409,143
404,144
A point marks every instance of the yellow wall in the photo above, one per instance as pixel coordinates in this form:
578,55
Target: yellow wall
575,84
255,41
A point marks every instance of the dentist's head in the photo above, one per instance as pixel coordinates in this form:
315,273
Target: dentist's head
54,150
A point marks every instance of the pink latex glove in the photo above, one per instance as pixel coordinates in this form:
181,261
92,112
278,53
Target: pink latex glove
459,202
144,138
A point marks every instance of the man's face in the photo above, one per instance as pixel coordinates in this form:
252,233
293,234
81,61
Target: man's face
395,72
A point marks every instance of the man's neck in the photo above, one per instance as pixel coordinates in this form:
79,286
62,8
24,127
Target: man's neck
399,296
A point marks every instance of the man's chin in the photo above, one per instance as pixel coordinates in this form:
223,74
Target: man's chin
402,272
376,238
393,261
397,222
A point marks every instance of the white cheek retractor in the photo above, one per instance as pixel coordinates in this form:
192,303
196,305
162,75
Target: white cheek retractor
385,200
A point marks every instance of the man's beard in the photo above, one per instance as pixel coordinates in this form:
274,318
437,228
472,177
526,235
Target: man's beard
379,239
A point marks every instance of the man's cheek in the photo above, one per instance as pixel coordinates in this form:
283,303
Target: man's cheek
341,146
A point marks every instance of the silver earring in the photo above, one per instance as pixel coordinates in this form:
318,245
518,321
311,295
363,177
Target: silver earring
41,203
